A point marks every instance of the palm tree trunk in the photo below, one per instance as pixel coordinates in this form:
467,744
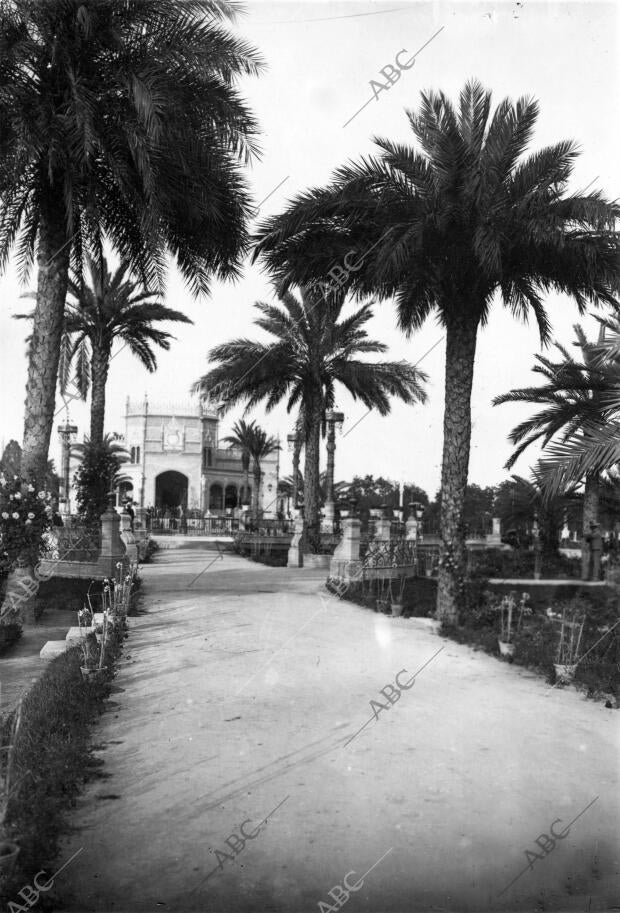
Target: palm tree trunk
98,378
591,496
311,471
461,334
256,490
44,354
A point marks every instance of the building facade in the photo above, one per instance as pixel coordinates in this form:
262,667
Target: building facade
177,461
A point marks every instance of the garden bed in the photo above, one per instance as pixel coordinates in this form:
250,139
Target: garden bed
51,757
536,643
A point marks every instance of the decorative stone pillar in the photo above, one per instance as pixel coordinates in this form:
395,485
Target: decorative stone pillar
495,537
382,529
112,547
295,552
411,529
347,553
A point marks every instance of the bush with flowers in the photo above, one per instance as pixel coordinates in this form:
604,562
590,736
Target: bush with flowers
25,517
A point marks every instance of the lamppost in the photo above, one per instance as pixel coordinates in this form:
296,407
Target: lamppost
67,434
294,441
333,419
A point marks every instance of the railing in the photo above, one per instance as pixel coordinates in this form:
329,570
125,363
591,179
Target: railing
78,542
200,526
393,553
218,526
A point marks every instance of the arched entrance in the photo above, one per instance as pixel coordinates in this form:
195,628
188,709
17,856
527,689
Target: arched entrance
230,497
171,490
216,497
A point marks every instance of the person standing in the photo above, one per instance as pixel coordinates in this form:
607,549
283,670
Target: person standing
129,509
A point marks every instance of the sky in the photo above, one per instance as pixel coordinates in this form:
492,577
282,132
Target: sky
321,58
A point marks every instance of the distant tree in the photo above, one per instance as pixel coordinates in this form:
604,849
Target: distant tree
521,502
477,511
371,493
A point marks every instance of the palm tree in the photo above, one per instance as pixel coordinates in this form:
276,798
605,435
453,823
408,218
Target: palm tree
448,227
114,307
572,398
594,448
242,437
118,120
255,445
311,351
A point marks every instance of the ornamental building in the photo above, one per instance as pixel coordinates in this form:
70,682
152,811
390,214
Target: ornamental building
177,461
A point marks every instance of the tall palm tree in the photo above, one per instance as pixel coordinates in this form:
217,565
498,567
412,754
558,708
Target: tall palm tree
573,396
118,120
448,227
255,444
114,307
312,349
242,437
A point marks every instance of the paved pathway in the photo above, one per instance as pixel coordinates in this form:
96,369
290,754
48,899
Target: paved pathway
243,689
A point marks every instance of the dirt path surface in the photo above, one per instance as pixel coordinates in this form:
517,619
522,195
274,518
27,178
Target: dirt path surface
242,692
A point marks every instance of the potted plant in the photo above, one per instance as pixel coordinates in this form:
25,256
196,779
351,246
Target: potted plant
92,667
567,656
396,603
511,620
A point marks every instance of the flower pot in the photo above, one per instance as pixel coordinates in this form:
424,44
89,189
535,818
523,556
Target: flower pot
99,636
565,672
428,571
93,676
505,648
397,609
9,852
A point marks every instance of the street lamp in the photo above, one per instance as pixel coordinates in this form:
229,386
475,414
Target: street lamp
294,445
67,434
333,420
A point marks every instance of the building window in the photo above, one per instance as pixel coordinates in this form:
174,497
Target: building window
137,454
209,457
133,454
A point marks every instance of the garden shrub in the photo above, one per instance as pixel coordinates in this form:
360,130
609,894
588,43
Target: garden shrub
519,563
51,762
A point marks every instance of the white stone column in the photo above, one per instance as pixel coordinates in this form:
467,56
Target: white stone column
295,552
347,551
